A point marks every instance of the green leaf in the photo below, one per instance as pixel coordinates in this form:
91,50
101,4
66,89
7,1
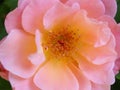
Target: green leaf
4,85
116,85
117,17
118,76
3,11
11,3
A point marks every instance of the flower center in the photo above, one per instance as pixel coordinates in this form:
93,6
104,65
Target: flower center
60,43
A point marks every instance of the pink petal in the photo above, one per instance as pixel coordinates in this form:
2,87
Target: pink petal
117,66
90,6
22,84
32,17
117,36
58,13
100,86
13,20
101,54
100,74
110,7
38,57
63,1
93,31
84,83
14,52
23,3
54,76
111,22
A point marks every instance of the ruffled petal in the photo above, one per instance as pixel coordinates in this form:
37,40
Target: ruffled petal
84,83
13,20
32,20
54,76
96,33
38,57
111,22
58,13
23,3
100,86
14,52
101,54
91,8
100,74
22,84
110,7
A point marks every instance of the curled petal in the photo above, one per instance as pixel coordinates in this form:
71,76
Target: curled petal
38,57
55,77
58,13
23,3
101,74
84,83
14,52
110,7
22,84
13,20
100,86
91,8
34,20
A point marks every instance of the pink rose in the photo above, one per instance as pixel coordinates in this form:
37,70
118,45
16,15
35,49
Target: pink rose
60,45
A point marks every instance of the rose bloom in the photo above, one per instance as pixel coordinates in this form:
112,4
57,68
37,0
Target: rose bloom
60,45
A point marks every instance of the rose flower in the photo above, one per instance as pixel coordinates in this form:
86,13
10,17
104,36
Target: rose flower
60,45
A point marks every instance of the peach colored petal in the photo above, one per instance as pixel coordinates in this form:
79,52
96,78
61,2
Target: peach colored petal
84,83
91,6
13,20
57,13
101,74
111,22
32,17
14,52
101,54
116,31
55,77
100,86
22,84
23,3
38,57
93,31
110,7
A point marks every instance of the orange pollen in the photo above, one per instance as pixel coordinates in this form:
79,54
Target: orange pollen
60,43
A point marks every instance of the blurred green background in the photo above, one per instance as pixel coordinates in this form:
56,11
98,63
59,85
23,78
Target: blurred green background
6,6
